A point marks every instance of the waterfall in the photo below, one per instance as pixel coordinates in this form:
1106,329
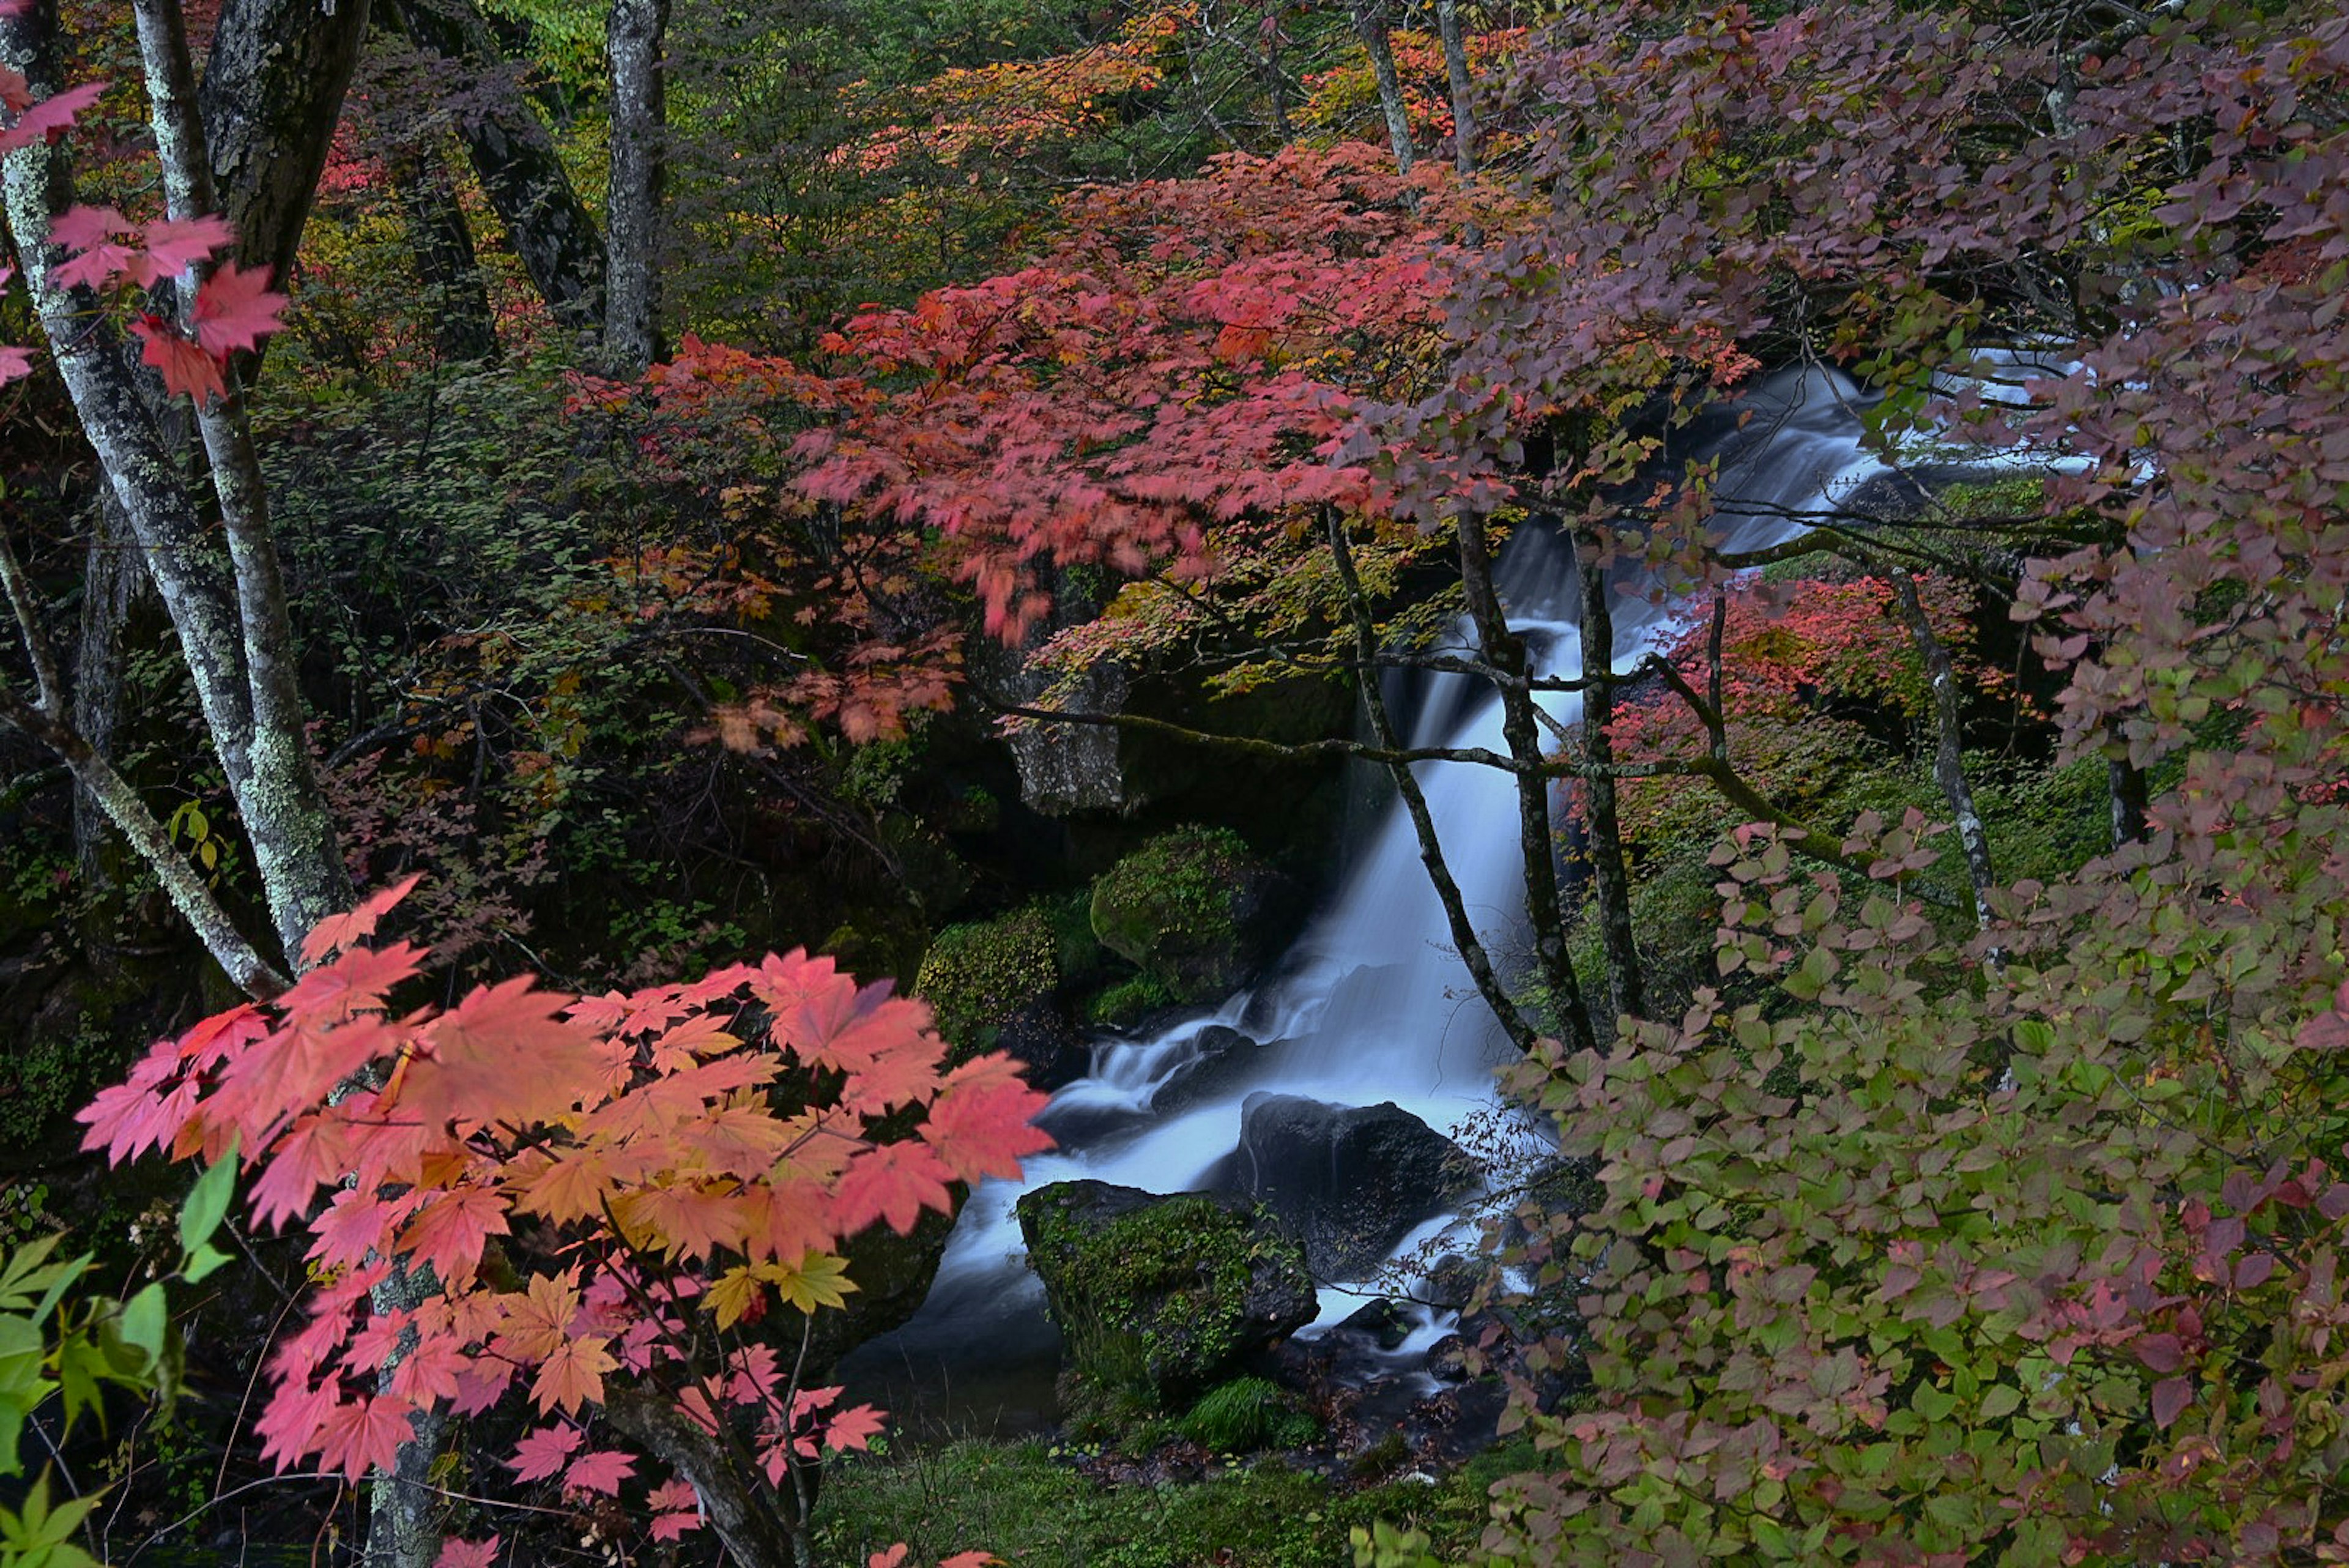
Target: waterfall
1371,1003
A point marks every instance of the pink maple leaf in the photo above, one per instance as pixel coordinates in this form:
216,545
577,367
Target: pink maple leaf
172,246
338,931
236,310
98,238
49,119
544,1453
468,1553
601,1471
185,366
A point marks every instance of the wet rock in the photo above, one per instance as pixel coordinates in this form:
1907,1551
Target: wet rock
1347,1182
1451,1283
1163,1295
1194,910
1447,1359
1046,1042
1383,1323
1225,1059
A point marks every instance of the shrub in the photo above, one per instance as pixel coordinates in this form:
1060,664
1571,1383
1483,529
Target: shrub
975,977
1185,909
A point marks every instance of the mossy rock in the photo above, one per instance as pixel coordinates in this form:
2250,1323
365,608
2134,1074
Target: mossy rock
978,977
1162,1297
1191,909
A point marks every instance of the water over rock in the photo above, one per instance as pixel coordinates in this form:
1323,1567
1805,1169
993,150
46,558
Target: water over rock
1347,1182
1167,1293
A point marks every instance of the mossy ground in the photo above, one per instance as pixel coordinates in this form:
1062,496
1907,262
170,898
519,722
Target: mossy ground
1035,1506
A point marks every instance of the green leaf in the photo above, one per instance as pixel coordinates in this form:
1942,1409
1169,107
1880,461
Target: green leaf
201,1259
146,1322
208,1200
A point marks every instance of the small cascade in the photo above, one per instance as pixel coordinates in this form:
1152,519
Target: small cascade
1371,1003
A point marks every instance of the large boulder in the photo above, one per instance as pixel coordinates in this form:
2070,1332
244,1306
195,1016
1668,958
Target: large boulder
1194,910
1347,1182
1163,1295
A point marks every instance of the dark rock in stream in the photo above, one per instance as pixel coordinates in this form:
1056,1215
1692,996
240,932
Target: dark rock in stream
1349,1183
1225,1057
1046,1042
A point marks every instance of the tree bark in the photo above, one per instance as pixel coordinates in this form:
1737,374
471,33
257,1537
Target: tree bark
755,1532
634,33
1455,72
463,328
1370,26
111,581
1611,879
551,230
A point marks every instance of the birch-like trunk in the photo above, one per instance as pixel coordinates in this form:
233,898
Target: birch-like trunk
1370,26
1455,72
634,38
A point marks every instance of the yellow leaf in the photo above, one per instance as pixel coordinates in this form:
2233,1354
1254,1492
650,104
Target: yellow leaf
733,1295
820,1280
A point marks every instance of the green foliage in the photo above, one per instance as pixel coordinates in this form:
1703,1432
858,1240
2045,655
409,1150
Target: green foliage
1178,907
1128,1001
975,977
57,1342
1246,1414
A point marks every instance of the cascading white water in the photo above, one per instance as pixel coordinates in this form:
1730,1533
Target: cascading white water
1372,1004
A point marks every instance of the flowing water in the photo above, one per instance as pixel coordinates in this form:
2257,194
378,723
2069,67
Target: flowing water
1371,1003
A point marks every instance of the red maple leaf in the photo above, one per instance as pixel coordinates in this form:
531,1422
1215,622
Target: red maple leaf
49,119
502,1055
365,1435
451,1229
455,1554
96,237
983,1121
172,246
892,1181
574,1375
355,925
544,1453
185,366
855,1427
14,363
235,309
677,1510
601,1471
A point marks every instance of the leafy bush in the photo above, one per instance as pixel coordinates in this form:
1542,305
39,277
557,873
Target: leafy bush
1181,908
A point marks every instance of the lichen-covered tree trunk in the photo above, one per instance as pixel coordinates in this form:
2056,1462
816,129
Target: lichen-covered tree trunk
1455,72
551,229
634,40
1370,26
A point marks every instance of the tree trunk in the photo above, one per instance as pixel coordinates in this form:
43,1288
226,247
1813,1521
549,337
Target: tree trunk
111,579
633,38
1455,71
760,1526
1521,729
1370,26
550,227
1610,880
463,328
1949,749
272,92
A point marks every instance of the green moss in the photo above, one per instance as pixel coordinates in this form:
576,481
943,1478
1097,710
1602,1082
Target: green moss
1128,1001
977,976
1178,909
1153,1300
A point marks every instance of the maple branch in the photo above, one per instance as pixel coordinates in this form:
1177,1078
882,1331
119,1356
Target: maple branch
48,691
1277,751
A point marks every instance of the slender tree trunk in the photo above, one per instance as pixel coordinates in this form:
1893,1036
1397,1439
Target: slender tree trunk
760,1525
550,227
1276,80
1949,749
1414,801
1611,879
463,328
1455,72
111,579
633,38
1521,730
2125,790
1370,26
